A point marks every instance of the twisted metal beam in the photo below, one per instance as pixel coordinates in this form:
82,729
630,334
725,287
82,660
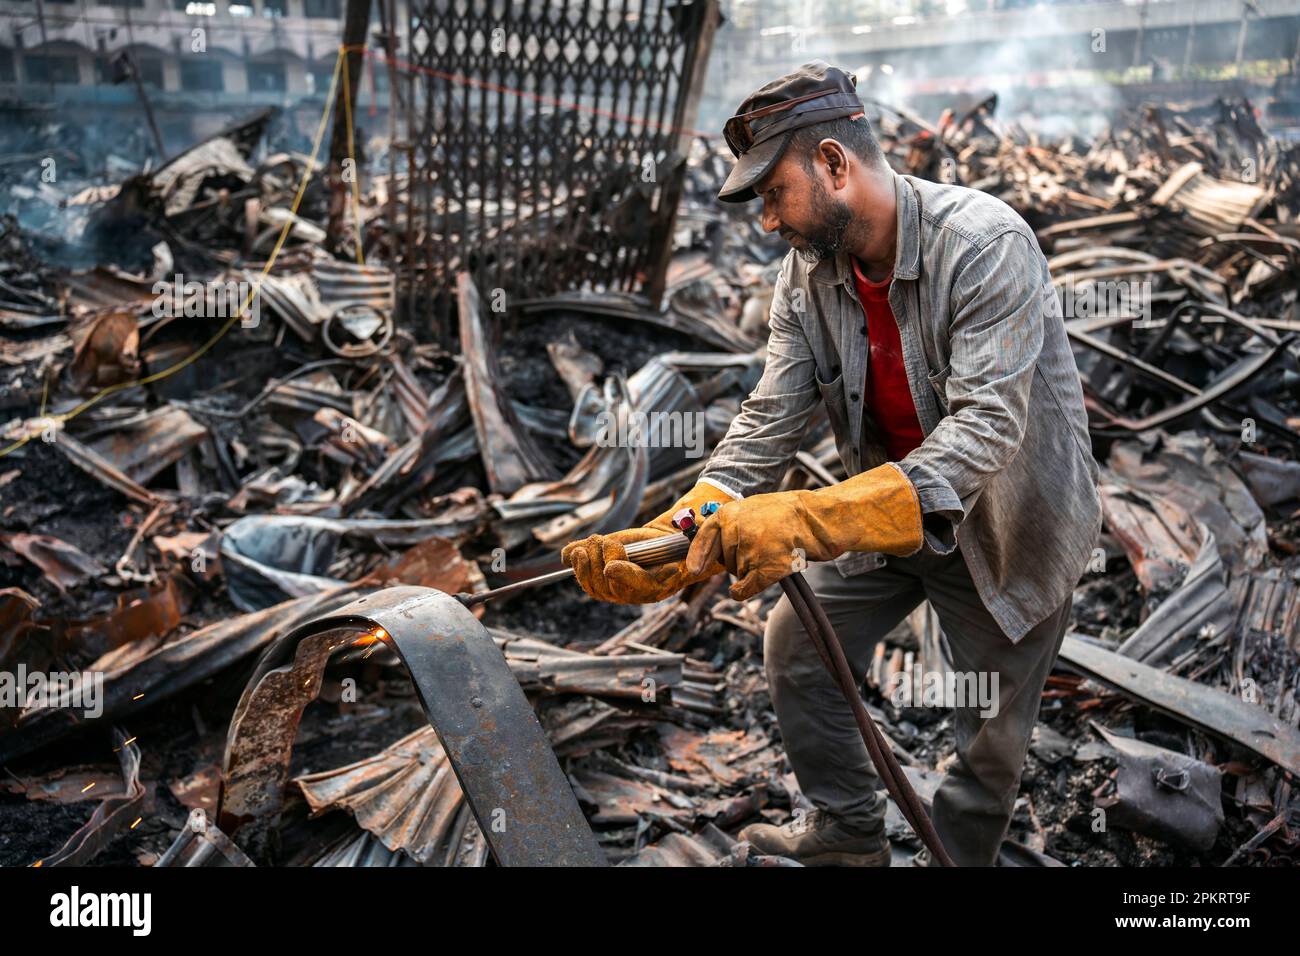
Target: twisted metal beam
512,781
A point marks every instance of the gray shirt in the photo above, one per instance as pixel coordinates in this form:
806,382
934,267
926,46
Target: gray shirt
1006,471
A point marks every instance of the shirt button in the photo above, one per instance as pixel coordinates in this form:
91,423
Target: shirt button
853,396
864,330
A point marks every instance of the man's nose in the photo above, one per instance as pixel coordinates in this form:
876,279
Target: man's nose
770,222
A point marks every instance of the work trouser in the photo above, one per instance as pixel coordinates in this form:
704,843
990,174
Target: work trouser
973,805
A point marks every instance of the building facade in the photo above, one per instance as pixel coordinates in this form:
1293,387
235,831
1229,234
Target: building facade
201,63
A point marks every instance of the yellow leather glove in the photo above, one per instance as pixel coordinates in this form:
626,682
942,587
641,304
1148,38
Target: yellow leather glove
764,538
601,566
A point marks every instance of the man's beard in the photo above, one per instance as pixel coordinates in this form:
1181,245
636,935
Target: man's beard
834,219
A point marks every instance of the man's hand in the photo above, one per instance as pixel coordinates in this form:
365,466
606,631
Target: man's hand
601,566
764,538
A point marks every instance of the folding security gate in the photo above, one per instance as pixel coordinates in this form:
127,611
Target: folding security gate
544,142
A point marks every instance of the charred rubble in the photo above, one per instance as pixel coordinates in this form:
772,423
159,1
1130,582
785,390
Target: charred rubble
175,494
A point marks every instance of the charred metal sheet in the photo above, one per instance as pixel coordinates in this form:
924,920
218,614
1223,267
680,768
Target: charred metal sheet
92,462
341,283
544,667
294,298
1187,471
582,497
365,850
268,558
1207,204
1200,610
623,802
677,849
407,797
142,680
655,390
1214,711
1245,370
1164,794
1160,538
510,777
510,456
1176,555
1271,605
1272,481
710,847
63,564
263,729
705,326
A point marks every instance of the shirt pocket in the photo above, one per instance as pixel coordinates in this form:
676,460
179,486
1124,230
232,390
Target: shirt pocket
939,382
837,408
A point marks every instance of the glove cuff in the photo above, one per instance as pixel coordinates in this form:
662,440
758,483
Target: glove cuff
877,510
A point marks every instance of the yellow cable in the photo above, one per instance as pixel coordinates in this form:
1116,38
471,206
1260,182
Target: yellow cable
229,324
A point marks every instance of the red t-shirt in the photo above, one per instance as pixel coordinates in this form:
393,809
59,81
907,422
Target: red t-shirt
889,399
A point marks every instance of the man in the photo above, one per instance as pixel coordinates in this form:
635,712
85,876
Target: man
924,317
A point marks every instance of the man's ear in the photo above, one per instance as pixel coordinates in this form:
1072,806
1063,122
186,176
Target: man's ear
836,159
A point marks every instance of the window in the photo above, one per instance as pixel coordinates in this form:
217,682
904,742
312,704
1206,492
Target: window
275,8
320,77
199,74
6,66
150,69
322,9
266,78
53,68
151,72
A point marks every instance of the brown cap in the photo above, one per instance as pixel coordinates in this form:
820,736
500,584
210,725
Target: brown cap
759,132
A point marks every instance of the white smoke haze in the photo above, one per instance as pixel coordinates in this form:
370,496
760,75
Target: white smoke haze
1055,82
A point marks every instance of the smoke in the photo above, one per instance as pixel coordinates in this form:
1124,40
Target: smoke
1059,81
1049,83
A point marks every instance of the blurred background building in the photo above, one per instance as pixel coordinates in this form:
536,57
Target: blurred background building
201,63
1061,63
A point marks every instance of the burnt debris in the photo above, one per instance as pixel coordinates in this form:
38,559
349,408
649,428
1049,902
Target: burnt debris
221,424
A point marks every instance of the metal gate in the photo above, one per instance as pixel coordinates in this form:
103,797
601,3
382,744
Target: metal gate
544,141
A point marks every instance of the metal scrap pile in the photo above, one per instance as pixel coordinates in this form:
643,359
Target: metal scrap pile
223,490
1174,241
190,473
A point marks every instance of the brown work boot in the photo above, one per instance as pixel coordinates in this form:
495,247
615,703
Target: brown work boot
818,839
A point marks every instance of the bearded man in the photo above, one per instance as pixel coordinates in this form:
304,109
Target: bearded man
923,316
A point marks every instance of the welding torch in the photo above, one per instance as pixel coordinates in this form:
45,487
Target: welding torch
654,551
798,591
